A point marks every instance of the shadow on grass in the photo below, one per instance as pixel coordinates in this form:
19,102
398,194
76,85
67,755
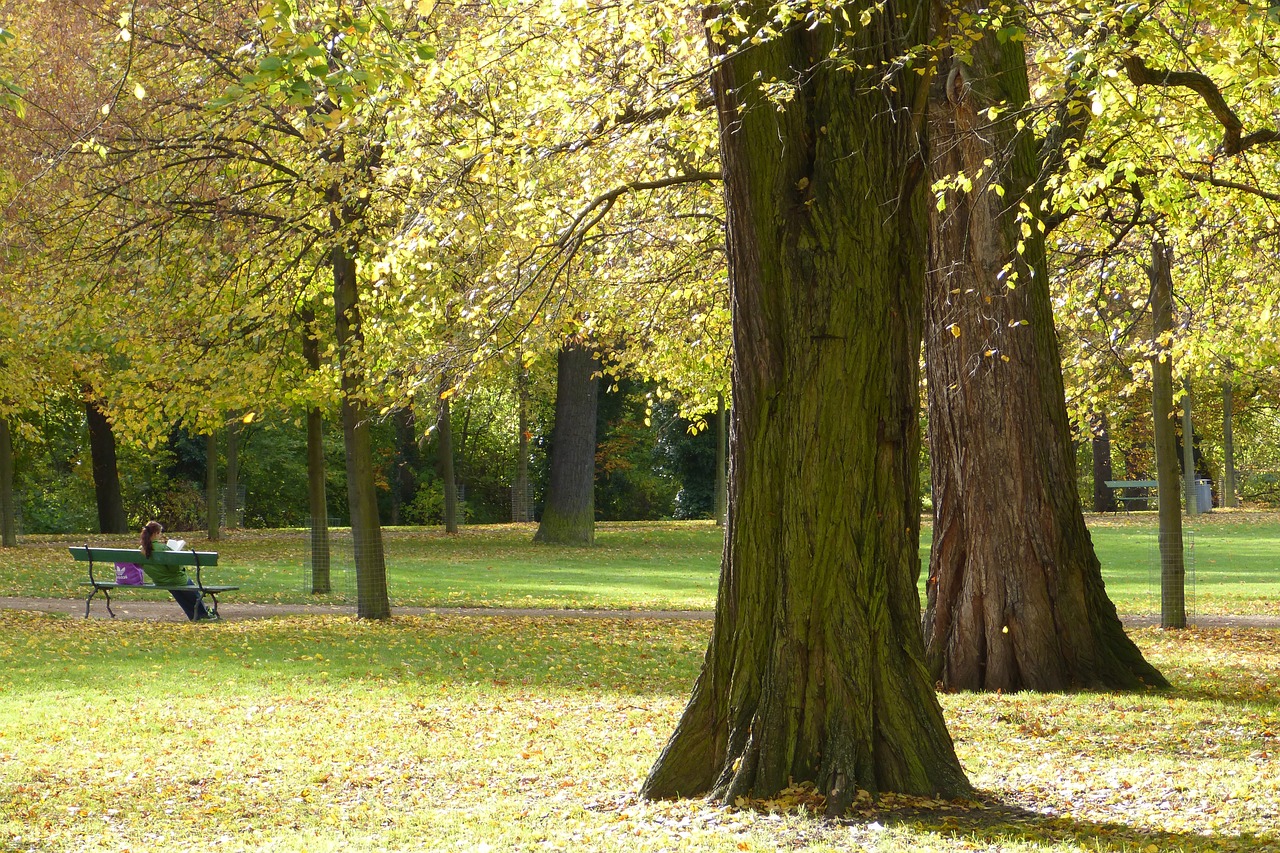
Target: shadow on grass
998,824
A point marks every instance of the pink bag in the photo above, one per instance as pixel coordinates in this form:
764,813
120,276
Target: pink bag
129,574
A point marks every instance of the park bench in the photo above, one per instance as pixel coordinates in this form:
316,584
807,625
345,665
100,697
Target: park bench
110,556
1149,487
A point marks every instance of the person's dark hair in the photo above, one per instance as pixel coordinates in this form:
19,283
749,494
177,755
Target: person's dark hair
150,532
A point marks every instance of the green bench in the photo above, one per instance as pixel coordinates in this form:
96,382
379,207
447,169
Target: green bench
1149,485
110,556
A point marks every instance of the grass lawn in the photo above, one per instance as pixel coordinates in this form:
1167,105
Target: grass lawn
645,565
446,733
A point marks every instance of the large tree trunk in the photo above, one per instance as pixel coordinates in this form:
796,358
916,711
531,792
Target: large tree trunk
362,490
1188,454
8,510
568,511
722,478
231,490
1173,610
814,671
106,474
212,505
1015,593
521,511
444,445
317,499
1104,499
1229,498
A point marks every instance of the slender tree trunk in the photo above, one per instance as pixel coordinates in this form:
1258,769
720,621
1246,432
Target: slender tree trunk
568,512
212,505
106,474
362,490
317,499
8,509
231,491
1188,454
722,478
1173,611
520,509
1016,599
814,670
1104,499
1229,498
444,436
404,477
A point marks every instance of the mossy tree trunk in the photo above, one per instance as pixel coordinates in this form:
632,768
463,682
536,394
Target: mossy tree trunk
444,447
569,509
1173,608
362,492
212,502
8,509
1229,498
106,473
722,473
1015,593
1104,499
317,499
814,671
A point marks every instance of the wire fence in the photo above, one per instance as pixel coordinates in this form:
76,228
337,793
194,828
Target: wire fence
1162,574
335,551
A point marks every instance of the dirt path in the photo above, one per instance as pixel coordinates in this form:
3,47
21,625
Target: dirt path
167,611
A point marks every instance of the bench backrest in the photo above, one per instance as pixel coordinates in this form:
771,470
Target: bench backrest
1132,484
158,557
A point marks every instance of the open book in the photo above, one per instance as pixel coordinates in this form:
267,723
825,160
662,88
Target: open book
176,544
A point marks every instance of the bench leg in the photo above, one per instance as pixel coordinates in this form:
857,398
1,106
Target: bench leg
88,600
106,593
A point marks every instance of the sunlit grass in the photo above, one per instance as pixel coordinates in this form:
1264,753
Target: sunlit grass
654,565
446,733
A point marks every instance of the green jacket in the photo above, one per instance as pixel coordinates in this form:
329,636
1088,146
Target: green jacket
165,575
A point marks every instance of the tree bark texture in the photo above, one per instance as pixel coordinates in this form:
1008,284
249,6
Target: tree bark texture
362,494
569,509
8,509
1188,454
1229,498
521,509
1104,499
106,474
1173,609
231,490
814,671
722,473
212,504
444,436
1015,594
317,499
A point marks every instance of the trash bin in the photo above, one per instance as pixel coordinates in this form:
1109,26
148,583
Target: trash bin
1204,495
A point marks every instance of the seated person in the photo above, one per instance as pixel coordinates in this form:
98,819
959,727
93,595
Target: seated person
189,600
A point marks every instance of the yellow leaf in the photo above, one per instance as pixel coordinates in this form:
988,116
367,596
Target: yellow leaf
138,91
955,330
248,419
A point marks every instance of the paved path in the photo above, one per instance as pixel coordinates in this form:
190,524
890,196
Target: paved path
167,611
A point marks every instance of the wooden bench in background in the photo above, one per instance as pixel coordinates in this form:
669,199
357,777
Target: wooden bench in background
106,558
1148,487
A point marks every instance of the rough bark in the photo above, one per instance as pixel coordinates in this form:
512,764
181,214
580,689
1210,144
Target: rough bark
568,510
212,504
1229,498
362,494
1188,455
1104,499
317,499
106,474
8,509
444,445
1015,594
521,511
1173,610
231,489
722,474
814,670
